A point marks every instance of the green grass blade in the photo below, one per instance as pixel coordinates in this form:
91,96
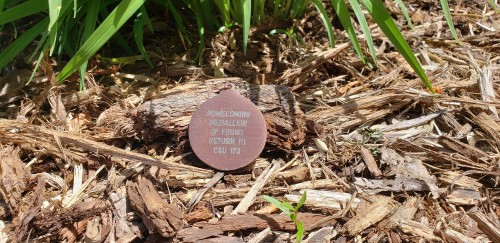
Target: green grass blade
386,24
209,18
365,28
117,37
102,34
90,22
223,6
326,21
447,16
139,23
302,200
278,204
300,231
22,42
247,12
54,10
494,6
345,18
22,10
195,6
178,21
147,20
405,12
2,5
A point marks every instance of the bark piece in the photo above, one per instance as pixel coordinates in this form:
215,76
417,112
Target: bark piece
324,199
197,234
261,236
371,215
199,213
119,201
419,229
14,177
405,212
325,234
370,162
462,148
157,215
464,197
487,225
487,123
258,221
261,181
171,114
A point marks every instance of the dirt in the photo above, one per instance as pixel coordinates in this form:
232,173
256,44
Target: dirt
380,158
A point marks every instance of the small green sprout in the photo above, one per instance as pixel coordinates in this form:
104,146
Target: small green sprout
291,211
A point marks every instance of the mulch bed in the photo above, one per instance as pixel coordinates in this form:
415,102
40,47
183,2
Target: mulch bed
381,159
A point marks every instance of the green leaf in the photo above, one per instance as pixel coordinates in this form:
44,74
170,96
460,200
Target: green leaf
247,12
178,21
300,231
139,23
90,22
102,34
54,10
22,42
22,10
196,8
302,200
345,18
288,205
386,24
365,28
494,6
405,12
326,21
278,204
447,16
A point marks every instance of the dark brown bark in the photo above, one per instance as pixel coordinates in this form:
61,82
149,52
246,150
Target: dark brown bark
286,124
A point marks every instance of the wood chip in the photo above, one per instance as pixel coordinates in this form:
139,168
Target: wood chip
370,162
261,236
241,222
487,225
324,199
419,229
14,177
261,181
462,148
371,215
156,213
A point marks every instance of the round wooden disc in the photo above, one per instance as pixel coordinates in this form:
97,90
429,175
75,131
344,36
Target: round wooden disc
228,131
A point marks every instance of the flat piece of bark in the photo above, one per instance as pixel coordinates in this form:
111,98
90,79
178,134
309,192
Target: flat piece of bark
407,169
406,211
156,213
261,181
325,199
197,234
419,229
464,197
371,215
462,148
171,114
370,162
261,236
258,221
14,177
487,225
325,234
